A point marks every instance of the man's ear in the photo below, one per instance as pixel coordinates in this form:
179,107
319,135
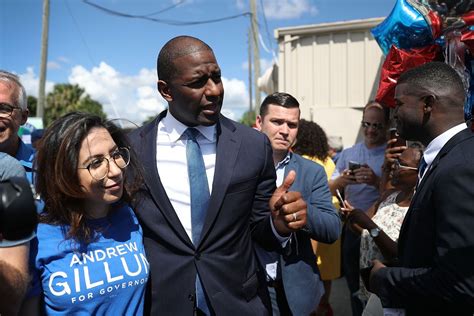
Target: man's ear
24,116
429,102
258,122
164,90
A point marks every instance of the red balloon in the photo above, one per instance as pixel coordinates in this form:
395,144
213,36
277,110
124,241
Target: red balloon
467,38
398,61
468,18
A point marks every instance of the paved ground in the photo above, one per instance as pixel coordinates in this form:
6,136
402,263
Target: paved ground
340,298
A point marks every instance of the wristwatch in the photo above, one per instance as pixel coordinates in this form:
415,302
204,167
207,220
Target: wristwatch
374,232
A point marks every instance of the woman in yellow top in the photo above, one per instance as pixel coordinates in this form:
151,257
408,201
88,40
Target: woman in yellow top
312,144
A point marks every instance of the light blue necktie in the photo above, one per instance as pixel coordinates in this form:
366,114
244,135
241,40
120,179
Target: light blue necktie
200,195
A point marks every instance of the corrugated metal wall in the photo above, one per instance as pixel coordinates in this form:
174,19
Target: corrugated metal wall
333,70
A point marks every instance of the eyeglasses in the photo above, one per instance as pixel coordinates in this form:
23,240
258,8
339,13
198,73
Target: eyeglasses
377,126
99,167
6,109
397,165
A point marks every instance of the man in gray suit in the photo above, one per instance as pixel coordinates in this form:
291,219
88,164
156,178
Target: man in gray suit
293,278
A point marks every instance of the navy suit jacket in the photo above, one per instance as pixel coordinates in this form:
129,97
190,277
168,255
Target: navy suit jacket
238,214
300,274
436,243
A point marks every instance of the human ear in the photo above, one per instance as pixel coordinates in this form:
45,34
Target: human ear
429,102
164,90
24,116
258,122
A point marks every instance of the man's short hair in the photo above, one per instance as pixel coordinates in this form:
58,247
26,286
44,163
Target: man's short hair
437,77
175,48
283,99
372,104
10,79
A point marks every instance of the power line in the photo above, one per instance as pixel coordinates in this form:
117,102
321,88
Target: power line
266,25
80,33
166,9
163,21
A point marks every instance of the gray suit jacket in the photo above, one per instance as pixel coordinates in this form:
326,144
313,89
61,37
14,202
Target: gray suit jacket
300,274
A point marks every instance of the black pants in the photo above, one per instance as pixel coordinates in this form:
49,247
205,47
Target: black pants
350,267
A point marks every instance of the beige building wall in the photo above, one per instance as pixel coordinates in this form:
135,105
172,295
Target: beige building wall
333,70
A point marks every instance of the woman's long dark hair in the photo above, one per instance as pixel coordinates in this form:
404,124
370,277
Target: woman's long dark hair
57,179
311,141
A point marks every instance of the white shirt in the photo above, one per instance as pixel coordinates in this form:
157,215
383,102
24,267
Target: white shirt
269,259
436,144
173,167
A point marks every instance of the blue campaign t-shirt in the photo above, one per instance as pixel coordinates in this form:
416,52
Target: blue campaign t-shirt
105,277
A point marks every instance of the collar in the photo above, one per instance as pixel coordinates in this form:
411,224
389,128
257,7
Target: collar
175,129
284,161
25,154
436,144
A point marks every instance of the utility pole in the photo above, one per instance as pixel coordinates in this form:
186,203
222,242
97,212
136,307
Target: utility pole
256,53
44,60
250,68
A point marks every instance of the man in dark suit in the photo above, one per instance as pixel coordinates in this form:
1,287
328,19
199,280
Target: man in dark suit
293,278
435,274
208,194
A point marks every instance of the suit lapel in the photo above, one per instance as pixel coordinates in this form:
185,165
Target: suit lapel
292,165
153,181
228,144
456,139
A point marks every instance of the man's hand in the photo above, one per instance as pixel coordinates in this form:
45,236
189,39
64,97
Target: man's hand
346,178
288,208
377,265
366,175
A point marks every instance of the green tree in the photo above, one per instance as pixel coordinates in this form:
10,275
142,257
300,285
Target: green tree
248,118
148,119
32,103
67,98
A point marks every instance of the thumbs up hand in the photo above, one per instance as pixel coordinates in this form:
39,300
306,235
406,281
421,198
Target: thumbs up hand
288,208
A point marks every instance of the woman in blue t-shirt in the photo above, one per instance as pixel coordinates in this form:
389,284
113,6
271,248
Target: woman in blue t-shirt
88,258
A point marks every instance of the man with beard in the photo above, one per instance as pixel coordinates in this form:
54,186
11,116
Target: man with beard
436,245
208,195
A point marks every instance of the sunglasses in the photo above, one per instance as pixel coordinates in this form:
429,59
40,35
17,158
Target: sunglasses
397,165
377,126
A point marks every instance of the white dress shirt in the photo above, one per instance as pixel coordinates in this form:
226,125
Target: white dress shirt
269,259
436,144
173,166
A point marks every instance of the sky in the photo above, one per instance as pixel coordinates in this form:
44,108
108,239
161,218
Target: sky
114,57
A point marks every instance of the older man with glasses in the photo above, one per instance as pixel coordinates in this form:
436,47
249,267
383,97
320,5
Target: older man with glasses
13,114
357,174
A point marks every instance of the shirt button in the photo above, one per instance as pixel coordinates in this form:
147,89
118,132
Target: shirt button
191,297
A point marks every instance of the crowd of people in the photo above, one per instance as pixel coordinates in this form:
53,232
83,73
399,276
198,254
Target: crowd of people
195,214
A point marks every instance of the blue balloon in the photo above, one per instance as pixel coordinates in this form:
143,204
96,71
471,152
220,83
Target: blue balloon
405,28
469,104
